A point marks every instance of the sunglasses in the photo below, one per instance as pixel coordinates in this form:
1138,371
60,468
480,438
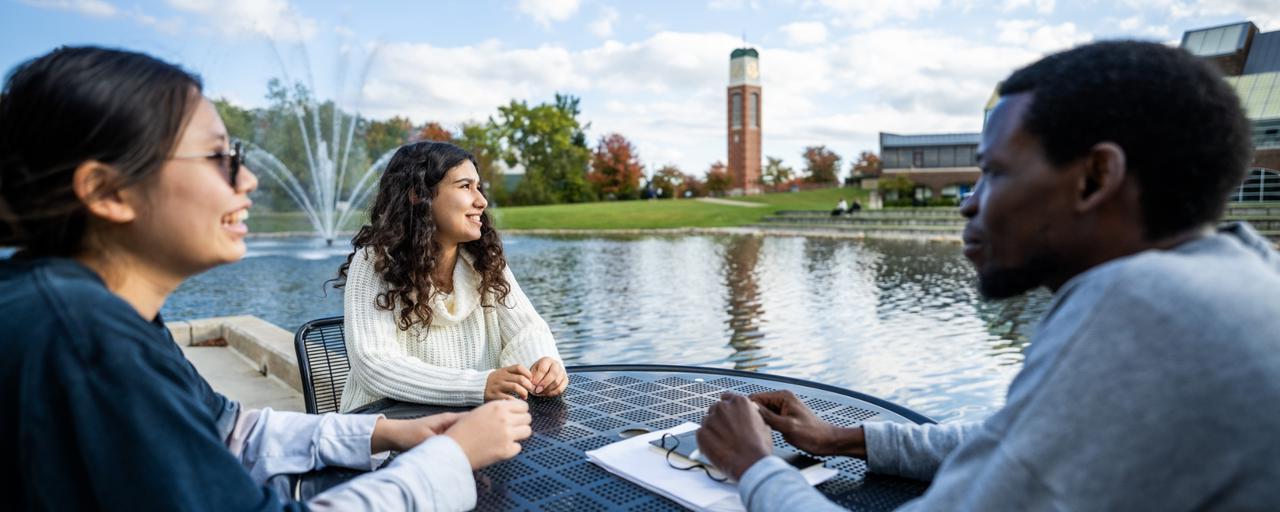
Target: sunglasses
712,473
228,163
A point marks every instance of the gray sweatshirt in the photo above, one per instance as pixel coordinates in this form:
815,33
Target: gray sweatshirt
1152,383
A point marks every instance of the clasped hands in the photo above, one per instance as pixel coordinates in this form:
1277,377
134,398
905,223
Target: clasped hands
488,433
546,378
735,432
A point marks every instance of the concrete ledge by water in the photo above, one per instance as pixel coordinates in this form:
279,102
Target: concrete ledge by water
268,348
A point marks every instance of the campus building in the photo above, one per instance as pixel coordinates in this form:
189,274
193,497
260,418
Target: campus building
1251,61
743,121
941,165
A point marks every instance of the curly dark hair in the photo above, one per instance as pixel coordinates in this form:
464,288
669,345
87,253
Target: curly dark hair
402,235
1185,137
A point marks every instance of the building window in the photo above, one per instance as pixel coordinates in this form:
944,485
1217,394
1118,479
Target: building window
917,158
931,157
948,157
1259,185
735,110
755,110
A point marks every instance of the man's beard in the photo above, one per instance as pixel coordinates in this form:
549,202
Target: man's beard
1005,282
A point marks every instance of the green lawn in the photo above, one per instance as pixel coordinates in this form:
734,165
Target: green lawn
666,213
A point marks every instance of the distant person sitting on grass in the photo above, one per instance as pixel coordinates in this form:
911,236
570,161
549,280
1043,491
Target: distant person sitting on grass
841,208
1152,382
433,312
118,182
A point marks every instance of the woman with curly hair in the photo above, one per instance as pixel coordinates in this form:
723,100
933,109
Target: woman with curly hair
433,313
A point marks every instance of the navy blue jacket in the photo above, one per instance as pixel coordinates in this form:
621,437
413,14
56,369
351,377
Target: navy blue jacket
100,408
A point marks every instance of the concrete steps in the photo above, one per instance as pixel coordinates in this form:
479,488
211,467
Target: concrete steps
946,222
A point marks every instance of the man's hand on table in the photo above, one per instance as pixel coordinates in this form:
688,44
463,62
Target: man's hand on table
733,435
805,430
549,377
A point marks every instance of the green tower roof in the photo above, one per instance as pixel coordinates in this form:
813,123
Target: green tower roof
744,52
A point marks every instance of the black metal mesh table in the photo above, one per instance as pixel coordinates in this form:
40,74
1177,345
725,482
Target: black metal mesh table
552,472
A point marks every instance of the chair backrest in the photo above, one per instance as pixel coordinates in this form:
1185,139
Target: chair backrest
322,363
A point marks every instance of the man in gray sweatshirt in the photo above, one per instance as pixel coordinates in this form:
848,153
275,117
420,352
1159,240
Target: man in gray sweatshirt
1153,380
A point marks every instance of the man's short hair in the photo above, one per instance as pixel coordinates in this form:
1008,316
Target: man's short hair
1184,135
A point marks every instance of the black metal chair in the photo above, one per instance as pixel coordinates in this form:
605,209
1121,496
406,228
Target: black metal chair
322,363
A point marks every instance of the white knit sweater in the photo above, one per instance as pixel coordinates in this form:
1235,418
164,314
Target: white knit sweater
448,362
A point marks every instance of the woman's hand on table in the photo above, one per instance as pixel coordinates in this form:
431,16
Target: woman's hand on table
549,377
401,435
491,432
505,383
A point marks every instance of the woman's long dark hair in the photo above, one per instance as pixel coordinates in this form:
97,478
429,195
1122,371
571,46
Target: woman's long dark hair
402,234
124,109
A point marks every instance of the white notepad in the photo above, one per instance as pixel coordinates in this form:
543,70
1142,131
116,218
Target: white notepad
634,460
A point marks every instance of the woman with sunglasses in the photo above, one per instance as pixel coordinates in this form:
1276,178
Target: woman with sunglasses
115,185
433,313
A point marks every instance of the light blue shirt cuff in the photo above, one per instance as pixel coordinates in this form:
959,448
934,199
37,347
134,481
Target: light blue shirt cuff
345,440
434,475
882,448
759,473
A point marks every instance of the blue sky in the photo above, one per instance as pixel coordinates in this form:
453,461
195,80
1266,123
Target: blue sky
835,72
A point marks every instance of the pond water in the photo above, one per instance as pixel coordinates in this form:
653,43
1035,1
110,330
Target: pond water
896,319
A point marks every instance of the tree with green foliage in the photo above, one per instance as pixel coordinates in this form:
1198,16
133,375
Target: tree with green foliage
239,121
821,164
896,189
670,180
775,174
383,136
550,143
615,168
718,180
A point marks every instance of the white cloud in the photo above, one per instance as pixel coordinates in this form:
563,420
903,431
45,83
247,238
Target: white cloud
1037,36
666,93
1262,13
805,32
1041,6
1136,26
274,19
870,13
603,26
95,8
545,12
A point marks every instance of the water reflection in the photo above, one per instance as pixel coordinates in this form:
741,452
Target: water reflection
896,319
741,254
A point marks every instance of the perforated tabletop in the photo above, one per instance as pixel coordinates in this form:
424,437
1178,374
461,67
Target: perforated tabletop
552,472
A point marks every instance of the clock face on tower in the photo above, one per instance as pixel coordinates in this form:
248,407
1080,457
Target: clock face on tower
753,70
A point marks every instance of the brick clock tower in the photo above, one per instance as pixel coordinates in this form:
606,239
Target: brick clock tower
744,122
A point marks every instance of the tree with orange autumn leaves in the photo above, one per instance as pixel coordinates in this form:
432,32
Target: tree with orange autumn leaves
615,168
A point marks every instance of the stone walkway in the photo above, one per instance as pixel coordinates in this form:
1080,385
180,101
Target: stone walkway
234,376
731,202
